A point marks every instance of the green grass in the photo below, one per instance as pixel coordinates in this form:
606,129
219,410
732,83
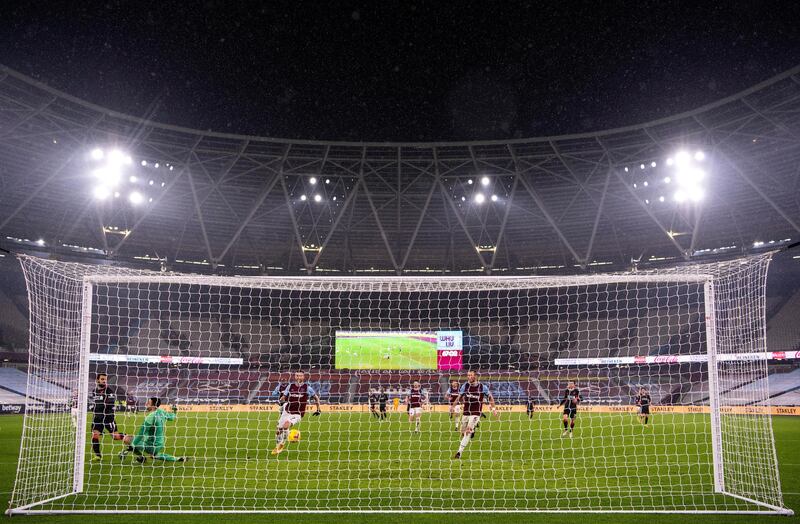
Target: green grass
346,460
372,353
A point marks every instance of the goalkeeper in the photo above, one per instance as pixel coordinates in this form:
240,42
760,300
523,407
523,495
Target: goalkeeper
150,438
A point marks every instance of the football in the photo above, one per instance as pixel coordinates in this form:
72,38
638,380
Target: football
294,435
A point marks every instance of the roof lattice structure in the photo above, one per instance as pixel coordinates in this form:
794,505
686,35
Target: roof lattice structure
235,203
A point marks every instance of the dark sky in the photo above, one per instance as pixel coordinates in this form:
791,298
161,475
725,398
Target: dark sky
401,70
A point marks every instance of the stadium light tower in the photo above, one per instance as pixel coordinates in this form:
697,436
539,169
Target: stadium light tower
136,198
109,173
689,176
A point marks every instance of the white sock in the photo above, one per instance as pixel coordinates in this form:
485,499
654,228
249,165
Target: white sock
418,423
464,441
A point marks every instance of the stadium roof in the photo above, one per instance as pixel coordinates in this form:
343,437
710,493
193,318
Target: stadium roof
239,204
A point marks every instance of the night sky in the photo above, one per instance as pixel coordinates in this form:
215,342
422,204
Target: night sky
400,70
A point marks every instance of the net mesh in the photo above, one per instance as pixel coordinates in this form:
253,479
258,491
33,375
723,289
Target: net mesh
218,352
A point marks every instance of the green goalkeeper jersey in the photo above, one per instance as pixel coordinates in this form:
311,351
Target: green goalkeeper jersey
151,432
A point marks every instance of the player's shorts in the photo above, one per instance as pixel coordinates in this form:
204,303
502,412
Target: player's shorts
572,412
414,412
469,422
106,423
382,407
644,410
291,418
457,408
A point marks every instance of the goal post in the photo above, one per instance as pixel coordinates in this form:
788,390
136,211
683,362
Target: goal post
569,361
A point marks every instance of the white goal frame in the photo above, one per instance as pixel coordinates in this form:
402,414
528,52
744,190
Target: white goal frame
87,277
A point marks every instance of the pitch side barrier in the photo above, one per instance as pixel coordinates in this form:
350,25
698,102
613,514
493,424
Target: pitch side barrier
364,408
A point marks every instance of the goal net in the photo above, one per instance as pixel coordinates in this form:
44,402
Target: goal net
631,392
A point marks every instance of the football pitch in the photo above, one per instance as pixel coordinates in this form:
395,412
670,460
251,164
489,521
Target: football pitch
346,460
395,352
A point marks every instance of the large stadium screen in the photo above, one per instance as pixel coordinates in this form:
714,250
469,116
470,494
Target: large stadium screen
439,350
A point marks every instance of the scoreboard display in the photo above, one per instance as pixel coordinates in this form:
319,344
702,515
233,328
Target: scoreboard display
428,350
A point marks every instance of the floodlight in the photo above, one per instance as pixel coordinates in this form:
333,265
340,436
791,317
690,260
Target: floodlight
107,175
97,154
696,194
479,198
116,157
485,181
313,180
682,159
136,198
317,198
101,192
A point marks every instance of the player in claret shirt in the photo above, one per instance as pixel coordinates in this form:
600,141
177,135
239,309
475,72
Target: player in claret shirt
414,400
296,396
570,401
643,400
472,394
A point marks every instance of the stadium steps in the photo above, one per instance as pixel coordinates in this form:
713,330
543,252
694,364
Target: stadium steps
13,322
788,391
790,398
543,393
783,329
9,397
16,381
256,389
352,390
776,383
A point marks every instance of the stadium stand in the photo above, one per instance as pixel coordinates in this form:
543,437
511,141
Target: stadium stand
7,397
783,328
16,381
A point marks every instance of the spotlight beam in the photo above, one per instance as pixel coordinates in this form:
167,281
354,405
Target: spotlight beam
540,204
761,193
160,197
502,231
653,217
201,220
461,222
